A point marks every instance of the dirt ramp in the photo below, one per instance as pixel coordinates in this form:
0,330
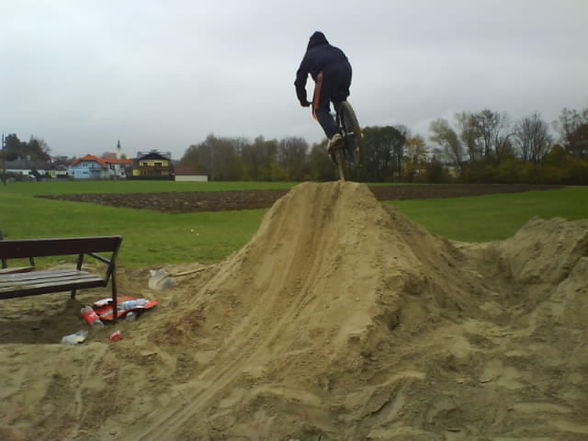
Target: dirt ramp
328,284
545,251
529,267
329,259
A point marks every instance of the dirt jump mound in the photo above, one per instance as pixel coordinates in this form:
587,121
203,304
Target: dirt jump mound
339,320
327,285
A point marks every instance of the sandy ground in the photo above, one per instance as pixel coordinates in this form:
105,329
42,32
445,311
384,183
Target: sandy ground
339,320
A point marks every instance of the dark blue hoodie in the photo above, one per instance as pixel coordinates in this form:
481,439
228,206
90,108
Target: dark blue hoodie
319,56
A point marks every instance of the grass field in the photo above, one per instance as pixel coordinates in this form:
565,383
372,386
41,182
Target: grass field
69,187
494,217
154,238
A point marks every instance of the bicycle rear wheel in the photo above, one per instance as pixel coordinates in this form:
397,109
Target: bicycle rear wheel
351,129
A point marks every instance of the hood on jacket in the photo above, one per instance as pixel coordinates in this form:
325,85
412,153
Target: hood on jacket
317,39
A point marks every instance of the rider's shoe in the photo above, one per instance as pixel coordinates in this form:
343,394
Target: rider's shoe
335,142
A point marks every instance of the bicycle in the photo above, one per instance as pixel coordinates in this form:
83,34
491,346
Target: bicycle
349,152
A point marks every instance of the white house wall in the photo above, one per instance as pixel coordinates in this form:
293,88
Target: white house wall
89,170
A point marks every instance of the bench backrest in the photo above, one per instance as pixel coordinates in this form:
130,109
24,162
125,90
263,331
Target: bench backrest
14,249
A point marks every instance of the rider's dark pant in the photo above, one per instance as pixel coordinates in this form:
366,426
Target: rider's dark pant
332,86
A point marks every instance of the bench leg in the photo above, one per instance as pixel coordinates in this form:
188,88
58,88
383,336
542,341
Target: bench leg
79,268
114,296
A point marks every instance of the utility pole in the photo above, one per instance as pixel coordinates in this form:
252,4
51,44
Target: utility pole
2,153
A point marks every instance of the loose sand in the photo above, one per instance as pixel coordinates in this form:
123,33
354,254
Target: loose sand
339,320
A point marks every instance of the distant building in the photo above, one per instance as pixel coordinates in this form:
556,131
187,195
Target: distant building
34,169
89,167
153,165
92,167
119,167
108,156
118,154
186,173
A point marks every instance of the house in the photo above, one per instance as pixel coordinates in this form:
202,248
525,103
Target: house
59,166
153,165
92,167
33,169
89,167
119,166
186,173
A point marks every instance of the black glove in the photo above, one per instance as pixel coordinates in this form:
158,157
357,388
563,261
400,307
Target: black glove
305,103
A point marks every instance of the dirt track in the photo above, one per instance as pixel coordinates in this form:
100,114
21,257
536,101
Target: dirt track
340,320
181,202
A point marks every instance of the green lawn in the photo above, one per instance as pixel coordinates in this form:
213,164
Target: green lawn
68,187
153,238
149,237
493,217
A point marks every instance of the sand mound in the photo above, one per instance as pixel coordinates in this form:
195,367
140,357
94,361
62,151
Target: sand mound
339,320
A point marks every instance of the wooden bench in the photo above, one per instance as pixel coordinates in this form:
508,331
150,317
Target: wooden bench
28,281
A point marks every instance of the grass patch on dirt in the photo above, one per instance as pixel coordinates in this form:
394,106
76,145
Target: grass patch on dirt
493,217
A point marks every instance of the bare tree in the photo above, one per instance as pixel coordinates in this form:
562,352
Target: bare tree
573,128
416,149
383,152
469,135
218,156
531,136
292,156
446,137
493,129
398,149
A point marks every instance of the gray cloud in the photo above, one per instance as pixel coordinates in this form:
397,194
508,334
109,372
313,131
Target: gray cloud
165,74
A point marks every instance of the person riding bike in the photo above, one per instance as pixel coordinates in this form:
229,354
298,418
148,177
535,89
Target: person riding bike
331,71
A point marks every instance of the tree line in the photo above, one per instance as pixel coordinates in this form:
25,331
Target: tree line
36,149
475,147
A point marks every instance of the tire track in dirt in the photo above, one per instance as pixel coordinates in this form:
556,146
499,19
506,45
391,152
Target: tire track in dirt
296,280
268,318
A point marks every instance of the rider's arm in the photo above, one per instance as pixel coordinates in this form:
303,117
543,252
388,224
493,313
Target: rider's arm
300,83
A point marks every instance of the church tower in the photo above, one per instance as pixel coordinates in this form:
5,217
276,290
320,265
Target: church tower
119,152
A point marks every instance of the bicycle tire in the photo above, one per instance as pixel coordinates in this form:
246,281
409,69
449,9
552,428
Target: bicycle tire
350,126
340,161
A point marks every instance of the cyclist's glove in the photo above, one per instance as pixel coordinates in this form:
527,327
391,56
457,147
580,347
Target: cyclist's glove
305,103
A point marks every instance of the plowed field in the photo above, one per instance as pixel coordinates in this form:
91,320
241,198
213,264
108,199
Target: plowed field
182,202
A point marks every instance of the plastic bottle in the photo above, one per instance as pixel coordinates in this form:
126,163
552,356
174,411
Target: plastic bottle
132,304
131,316
90,316
78,337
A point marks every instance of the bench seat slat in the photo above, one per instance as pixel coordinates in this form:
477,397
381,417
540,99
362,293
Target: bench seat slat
45,278
55,284
49,282
39,275
23,284
48,290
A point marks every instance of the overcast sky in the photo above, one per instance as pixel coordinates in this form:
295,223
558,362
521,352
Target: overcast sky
82,74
